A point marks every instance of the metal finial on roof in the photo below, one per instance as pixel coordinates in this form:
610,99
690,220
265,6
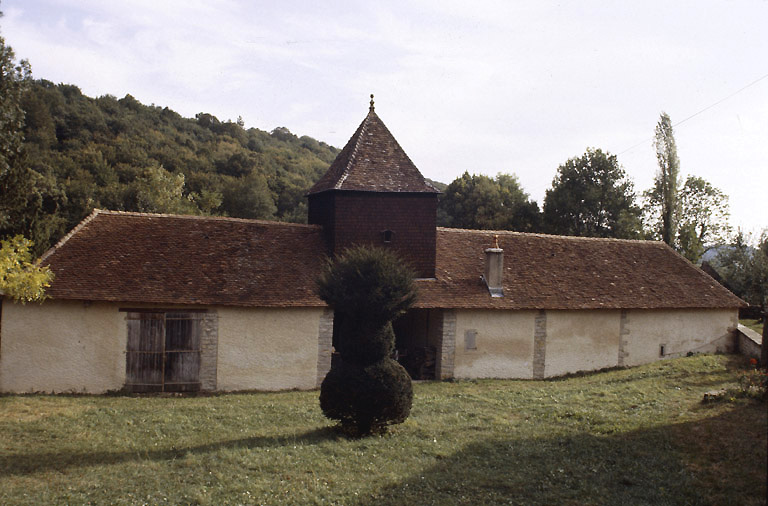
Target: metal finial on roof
371,108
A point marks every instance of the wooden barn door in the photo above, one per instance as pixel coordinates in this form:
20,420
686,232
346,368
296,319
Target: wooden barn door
182,352
163,352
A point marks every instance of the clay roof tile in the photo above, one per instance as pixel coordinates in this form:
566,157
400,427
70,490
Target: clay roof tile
373,160
168,259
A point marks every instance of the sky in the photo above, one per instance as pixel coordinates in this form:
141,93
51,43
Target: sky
485,87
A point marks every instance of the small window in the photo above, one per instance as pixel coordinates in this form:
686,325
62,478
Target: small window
662,350
387,236
470,339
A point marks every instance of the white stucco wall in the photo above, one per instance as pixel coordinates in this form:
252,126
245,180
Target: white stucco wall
680,331
268,349
584,340
62,346
65,346
581,341
504,344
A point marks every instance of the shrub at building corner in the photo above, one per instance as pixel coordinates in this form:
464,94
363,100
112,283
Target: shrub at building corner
367,390
20,278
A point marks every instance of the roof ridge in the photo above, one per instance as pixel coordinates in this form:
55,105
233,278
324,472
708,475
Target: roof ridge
96,211
550,236
353,154
407,157
139,214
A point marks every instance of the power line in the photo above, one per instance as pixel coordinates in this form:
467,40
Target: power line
701,111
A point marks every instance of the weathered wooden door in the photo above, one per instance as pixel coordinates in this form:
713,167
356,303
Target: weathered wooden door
163,352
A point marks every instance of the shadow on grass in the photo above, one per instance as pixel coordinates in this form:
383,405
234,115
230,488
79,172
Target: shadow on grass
713,461
59,461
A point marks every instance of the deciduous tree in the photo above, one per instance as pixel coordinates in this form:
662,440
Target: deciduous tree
703,220
479,202
745,269
592,196
20,278
158,191
15,178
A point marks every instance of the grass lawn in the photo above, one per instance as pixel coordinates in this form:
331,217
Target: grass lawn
754,325
632,436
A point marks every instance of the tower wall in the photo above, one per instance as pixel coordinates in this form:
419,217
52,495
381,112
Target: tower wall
403,222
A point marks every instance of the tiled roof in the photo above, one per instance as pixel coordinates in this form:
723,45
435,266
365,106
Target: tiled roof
167,259
556,272
372,160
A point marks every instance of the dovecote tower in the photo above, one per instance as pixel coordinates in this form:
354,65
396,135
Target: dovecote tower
373,194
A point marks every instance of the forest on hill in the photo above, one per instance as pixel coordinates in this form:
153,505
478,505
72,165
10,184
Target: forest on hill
122,155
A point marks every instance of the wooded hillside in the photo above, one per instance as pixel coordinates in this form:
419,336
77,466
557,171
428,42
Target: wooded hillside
122,155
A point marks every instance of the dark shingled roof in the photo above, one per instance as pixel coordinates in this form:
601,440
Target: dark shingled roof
372,160
166,259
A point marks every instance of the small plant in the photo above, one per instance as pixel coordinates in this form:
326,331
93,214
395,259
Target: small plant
21,278
367,390
754,382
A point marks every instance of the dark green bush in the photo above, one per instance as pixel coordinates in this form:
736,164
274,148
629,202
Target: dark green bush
366,390
366,399
370,284
359,342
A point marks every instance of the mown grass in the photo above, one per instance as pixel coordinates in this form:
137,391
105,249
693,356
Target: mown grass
633,436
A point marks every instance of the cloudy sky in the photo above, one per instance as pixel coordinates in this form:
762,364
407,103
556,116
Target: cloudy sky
484,87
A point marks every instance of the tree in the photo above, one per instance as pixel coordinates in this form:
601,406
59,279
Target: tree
367,390
158,191
664,193
703,220
20,278
591,196
15,177
479,202
248,197
744,269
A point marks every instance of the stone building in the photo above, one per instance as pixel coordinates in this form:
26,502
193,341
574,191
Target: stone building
152,302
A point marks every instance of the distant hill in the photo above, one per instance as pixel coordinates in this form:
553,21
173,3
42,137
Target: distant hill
120,154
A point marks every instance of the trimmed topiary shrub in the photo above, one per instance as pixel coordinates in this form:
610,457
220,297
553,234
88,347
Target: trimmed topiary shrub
367,390
366,399
362,343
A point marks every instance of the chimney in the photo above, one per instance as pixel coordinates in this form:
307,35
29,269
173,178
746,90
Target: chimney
494,269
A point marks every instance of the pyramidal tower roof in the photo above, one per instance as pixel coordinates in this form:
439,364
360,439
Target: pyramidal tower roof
373,161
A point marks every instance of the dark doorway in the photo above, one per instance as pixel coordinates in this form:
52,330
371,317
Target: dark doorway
163,352
418,334
417,337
